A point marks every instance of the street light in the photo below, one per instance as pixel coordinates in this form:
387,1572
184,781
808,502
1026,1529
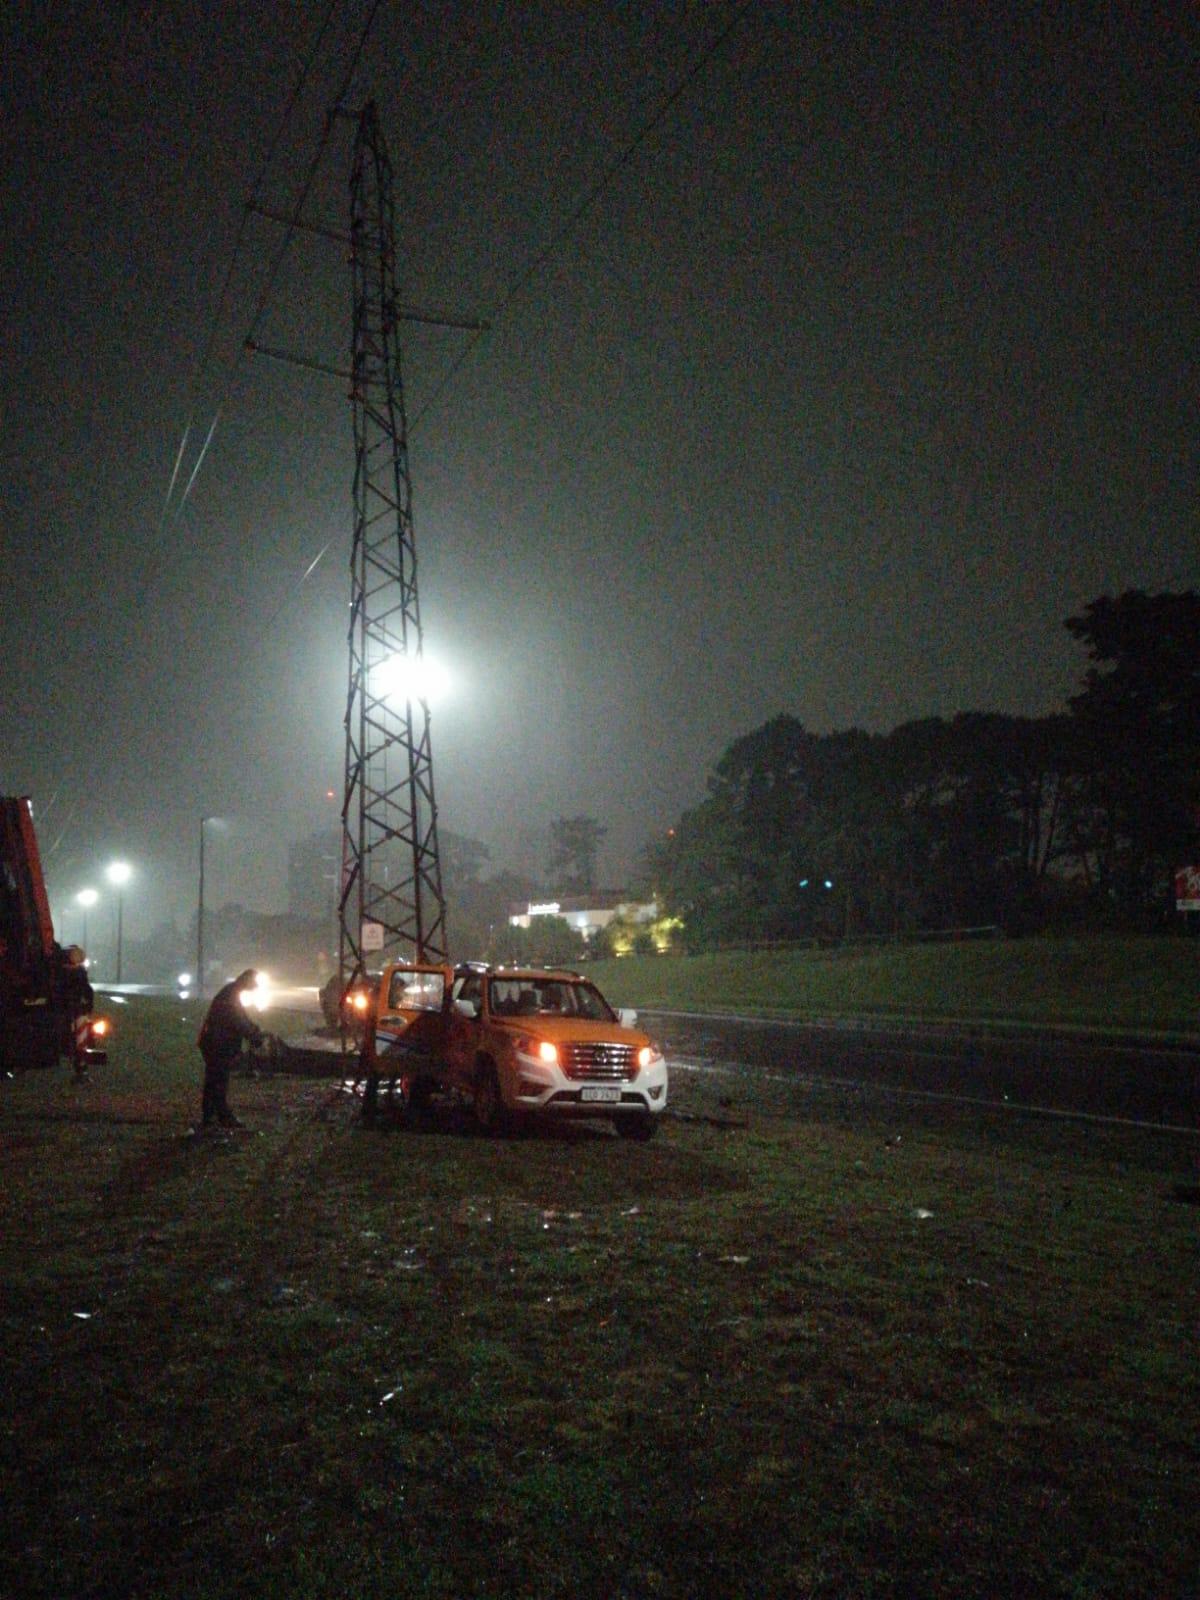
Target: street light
119,875
87,899
200,919
200,914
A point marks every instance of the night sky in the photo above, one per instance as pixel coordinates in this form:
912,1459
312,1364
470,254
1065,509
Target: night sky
872,358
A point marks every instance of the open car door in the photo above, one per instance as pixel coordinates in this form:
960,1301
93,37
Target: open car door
406,1039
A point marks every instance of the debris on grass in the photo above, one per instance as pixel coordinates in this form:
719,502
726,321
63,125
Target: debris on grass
727,1122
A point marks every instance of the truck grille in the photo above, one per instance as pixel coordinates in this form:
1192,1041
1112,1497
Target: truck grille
598,1061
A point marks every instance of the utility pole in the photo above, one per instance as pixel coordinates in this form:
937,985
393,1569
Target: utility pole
391,900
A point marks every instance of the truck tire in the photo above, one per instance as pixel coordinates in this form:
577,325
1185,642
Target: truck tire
420,1096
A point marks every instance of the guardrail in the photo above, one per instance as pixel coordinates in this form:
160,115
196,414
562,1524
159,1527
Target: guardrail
989,930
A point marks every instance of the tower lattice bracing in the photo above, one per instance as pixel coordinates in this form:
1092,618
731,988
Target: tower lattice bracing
391,888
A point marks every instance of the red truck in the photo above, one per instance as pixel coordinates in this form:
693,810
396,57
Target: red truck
45,997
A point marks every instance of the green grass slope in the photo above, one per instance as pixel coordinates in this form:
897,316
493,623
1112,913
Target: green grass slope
1150,984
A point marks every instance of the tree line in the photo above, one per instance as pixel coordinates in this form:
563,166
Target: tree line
1077,818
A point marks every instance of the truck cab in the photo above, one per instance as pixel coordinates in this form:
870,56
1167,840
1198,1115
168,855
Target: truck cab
45,998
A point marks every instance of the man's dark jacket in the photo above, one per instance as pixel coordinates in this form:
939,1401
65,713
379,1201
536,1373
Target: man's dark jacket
228,1022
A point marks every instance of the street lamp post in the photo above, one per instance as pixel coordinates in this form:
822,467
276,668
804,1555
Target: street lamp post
204,821
119,875
85,899
200,919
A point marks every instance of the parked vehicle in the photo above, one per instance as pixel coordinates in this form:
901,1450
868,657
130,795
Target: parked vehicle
45,998
348,1006
513,1042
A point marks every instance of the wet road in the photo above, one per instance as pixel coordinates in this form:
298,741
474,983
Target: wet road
1054,1073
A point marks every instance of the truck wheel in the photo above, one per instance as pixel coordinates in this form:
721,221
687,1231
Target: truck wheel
638,1125
420,1096
489,1107
370,1101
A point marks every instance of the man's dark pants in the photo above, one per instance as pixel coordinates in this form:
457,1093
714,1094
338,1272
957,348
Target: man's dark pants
217,1067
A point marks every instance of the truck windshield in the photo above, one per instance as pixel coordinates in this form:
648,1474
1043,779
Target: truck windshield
527,997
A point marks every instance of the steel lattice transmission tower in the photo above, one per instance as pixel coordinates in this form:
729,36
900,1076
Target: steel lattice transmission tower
391,887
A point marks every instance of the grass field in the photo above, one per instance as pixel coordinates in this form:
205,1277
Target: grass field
805,1343
1113,984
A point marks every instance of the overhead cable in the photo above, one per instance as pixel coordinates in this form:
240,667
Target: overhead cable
585,204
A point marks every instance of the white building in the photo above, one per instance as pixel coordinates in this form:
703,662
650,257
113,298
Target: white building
587,914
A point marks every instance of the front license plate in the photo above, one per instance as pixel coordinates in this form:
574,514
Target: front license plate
606,1097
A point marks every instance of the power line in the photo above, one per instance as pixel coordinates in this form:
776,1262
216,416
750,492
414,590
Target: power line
218,315
171,514
294,221
560,235
585,203
256,187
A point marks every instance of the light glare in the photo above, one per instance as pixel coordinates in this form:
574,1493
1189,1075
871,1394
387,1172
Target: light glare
403,678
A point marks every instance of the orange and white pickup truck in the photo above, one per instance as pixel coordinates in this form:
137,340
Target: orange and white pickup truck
514,1042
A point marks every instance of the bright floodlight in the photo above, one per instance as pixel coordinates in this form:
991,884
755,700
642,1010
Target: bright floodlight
119,873
409,677
184,980
87,897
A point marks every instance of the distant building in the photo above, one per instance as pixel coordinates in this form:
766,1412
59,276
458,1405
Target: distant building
313,876
587,914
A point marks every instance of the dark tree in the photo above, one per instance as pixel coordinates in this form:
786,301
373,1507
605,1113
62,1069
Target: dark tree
752,862
938,824
574,848
984,804
547,942
1137,726
463,859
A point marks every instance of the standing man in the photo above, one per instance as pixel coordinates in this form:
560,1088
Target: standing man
78,1000
220,1040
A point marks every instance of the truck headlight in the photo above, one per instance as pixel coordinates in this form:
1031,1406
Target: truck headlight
539,1050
